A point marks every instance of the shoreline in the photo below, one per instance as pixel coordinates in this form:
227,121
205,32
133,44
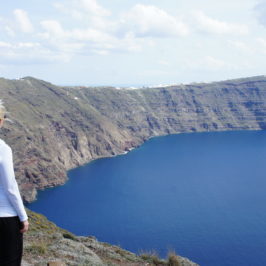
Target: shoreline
133,148
164,135
26,202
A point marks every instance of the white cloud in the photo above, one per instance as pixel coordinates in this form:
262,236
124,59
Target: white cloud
93,7
86,11
88,40
89,12
5,45
72,12
92,35
53,29
28,53
20,45
151,21
214,26
101,34
260,10
54,32
23,21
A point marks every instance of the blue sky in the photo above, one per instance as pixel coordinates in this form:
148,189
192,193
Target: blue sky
132,42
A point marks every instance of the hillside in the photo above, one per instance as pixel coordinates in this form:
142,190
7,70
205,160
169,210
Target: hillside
58,128
45,244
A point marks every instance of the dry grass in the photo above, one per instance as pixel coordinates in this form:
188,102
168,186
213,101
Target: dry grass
173,259
152,257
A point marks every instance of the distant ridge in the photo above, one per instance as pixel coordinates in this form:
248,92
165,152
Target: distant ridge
57,128
234,80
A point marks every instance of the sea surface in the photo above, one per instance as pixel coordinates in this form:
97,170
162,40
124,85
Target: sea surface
200,194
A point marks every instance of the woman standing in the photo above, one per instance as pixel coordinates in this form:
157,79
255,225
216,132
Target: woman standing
13,217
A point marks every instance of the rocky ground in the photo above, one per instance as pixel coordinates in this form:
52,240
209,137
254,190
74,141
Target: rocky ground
46,244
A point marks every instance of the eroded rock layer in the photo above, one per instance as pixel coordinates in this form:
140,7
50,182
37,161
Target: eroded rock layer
57,128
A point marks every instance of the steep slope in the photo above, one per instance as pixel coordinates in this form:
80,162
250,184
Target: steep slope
57,128
45,243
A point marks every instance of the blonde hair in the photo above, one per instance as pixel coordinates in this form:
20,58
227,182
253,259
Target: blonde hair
2,109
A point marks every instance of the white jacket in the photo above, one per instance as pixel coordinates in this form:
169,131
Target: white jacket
11,203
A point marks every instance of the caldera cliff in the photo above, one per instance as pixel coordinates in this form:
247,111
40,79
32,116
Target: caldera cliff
57,128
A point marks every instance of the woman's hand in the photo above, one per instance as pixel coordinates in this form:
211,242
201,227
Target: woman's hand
25,226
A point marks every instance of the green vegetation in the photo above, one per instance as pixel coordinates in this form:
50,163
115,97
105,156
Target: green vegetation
68,235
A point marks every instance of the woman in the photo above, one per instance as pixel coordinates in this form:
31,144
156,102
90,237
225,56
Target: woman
13,217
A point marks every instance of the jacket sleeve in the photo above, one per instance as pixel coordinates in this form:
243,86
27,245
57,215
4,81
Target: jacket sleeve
10,184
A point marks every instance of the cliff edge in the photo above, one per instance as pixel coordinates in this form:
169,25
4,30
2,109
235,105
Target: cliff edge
57,128
46,244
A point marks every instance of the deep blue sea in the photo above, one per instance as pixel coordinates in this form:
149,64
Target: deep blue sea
200,194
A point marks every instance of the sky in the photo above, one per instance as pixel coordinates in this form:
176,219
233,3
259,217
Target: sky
132,42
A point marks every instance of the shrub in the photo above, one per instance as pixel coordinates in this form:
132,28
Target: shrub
69,236
152,257
173,259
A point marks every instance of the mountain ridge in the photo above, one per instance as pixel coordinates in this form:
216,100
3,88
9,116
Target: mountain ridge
56,128
234,80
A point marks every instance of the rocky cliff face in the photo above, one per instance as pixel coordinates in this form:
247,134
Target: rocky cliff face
58,128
